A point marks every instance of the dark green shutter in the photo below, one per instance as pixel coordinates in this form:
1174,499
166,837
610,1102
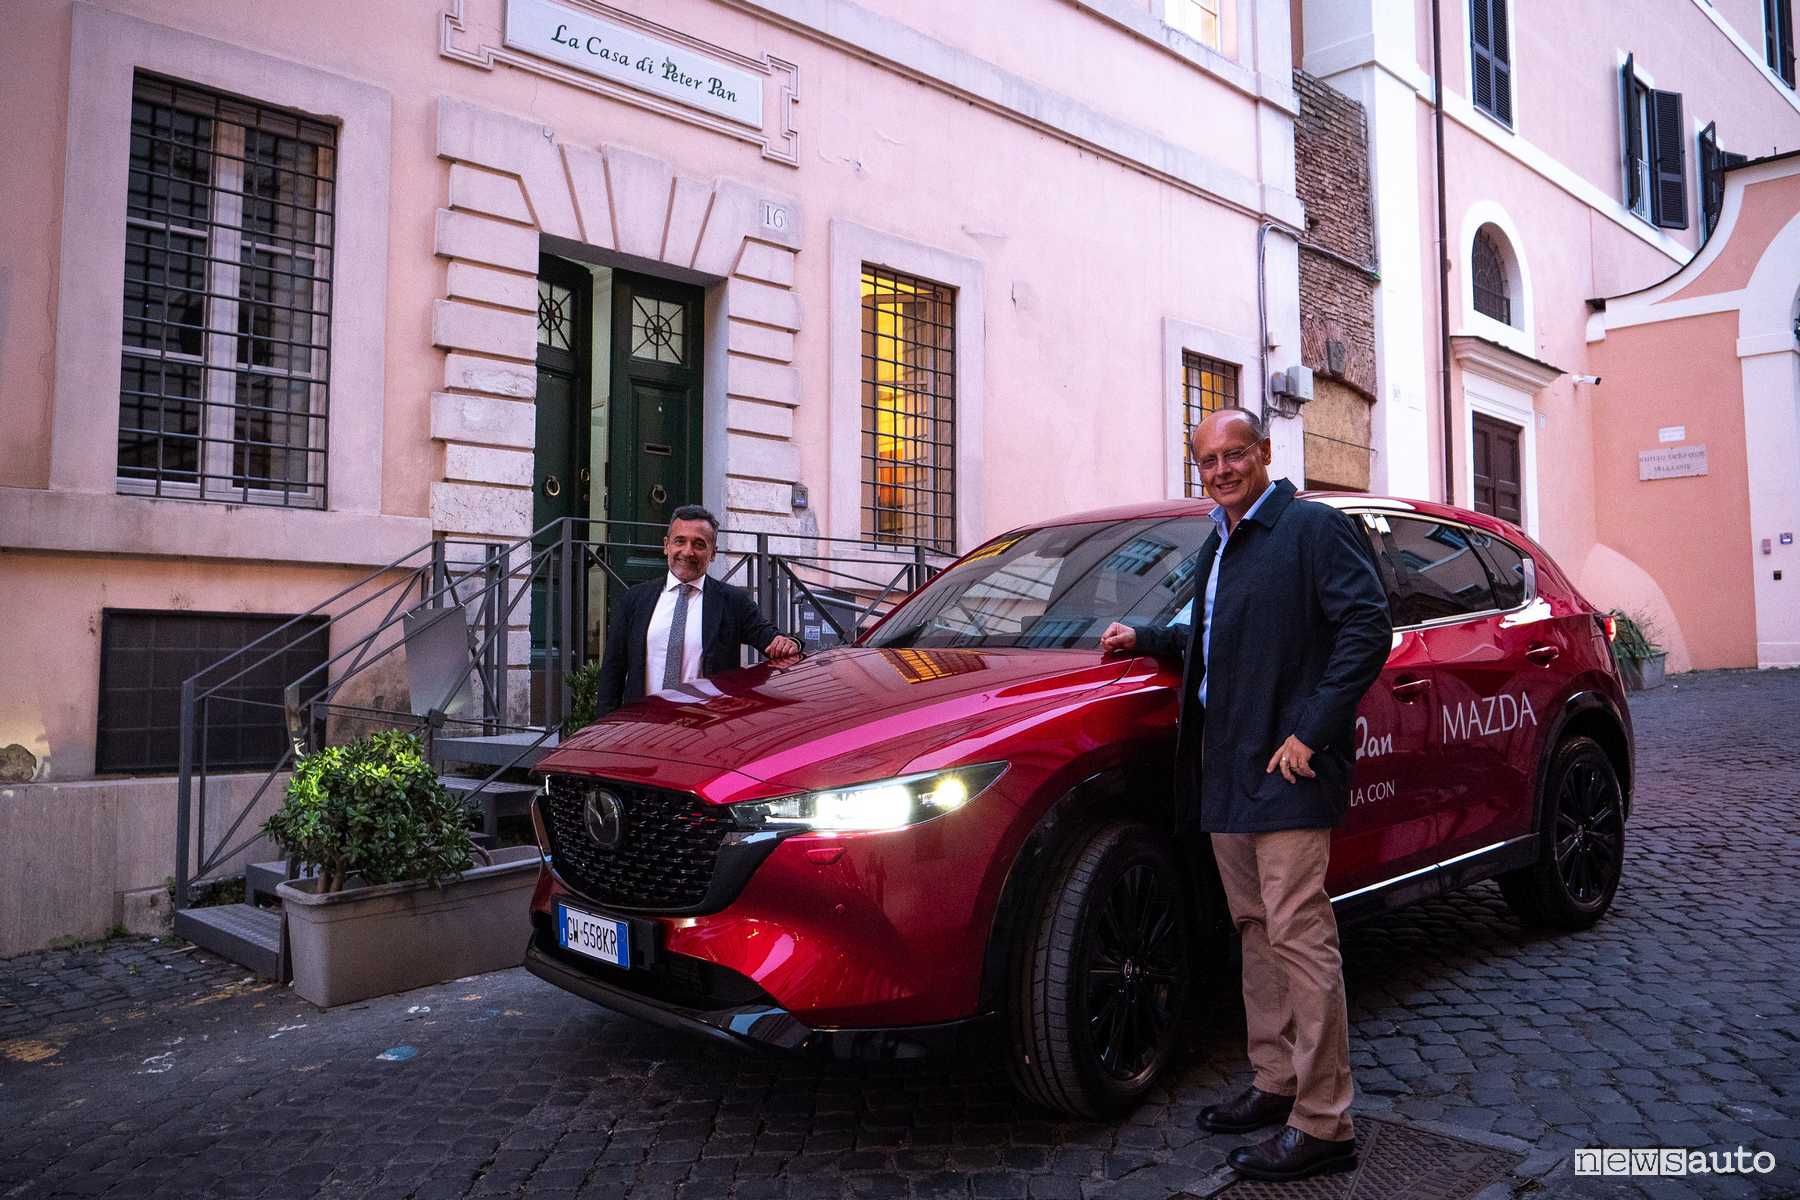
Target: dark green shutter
1668,147
1628,111
1491,83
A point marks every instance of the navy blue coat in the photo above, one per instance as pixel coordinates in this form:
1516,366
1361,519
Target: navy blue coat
1300,631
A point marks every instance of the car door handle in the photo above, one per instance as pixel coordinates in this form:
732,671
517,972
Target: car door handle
1408,690
1542,655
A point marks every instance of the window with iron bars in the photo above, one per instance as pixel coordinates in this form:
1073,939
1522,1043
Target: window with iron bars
1207,385
226,357
1487,279
908,411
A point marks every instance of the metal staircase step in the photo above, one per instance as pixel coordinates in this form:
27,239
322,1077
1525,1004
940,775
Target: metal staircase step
239,932
260,879
494,750
501,798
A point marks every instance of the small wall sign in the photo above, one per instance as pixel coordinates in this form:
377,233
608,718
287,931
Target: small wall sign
629,56
1672,433
1675,463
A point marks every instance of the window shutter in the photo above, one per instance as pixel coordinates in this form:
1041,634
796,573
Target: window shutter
1502,65
1628,112
1669,146
1481,57
1778,38
1712,183
1491,85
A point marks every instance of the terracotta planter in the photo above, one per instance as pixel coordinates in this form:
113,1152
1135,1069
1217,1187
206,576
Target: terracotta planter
372,941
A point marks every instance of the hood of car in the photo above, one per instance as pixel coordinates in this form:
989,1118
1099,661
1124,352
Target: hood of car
840,717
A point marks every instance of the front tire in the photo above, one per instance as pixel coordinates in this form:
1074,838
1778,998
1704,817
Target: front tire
1573,884
1100,986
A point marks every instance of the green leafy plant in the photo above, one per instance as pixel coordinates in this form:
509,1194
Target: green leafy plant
584,696
1634,639
372,808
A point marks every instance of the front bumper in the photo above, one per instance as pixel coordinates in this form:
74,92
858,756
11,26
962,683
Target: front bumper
759,1025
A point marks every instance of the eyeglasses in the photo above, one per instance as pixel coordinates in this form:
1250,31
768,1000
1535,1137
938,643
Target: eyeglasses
1231,458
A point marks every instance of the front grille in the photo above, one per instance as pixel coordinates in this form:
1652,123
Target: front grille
664,863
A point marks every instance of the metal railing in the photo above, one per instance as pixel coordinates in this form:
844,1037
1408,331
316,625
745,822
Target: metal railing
534,613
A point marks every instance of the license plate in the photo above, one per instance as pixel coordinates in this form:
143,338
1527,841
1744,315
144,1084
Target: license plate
599,938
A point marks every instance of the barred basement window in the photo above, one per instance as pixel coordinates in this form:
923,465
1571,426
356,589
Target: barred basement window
1487,269
226,362
144,656
908,411
1207,385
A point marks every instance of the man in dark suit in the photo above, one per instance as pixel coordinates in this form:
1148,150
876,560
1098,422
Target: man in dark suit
684,626
1290,627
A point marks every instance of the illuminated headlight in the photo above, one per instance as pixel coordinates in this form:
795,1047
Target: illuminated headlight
883,804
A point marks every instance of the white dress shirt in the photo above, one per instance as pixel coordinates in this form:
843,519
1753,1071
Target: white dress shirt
656,639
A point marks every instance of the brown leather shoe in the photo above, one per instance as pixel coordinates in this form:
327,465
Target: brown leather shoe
1251,1109
1292,1154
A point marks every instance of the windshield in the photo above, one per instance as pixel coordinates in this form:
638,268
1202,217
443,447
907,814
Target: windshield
1056,588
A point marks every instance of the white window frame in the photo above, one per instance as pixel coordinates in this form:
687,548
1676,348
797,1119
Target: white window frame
82,507
853,246
1519,335
1183,17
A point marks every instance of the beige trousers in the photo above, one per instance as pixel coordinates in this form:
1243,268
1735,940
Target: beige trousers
1299,1032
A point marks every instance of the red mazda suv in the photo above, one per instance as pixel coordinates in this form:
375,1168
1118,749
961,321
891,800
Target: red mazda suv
959,831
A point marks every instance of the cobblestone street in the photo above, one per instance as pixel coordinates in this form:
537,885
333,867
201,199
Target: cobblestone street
147,1069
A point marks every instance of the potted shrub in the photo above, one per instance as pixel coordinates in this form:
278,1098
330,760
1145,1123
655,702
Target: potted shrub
1635,649
392,899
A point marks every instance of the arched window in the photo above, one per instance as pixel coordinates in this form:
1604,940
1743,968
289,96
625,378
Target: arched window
1487,266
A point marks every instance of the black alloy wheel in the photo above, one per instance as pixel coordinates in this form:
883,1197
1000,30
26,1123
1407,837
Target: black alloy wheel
1134,972
1573,883
1099,984
1590,832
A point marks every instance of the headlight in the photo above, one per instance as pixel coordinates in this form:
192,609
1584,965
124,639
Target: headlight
883,804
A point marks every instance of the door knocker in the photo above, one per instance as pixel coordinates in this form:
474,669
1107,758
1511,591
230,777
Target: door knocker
657,495
552,486
584,475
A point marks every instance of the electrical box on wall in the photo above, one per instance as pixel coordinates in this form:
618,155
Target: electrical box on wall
1296,383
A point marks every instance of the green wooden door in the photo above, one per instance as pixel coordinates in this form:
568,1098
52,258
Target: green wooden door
559,464
654,425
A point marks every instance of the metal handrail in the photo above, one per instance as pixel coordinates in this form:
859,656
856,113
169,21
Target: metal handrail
555,558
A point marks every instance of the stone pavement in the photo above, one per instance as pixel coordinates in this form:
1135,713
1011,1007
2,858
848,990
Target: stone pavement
141,1069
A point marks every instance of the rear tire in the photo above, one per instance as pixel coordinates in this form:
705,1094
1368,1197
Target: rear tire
1573,884
1099,988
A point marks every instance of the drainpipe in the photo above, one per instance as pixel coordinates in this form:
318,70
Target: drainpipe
1262,326
1443,244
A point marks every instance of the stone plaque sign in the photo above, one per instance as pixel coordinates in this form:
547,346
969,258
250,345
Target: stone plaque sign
1674,463
621,54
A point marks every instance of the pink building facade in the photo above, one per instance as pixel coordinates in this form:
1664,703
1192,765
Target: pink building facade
294,290
1584,157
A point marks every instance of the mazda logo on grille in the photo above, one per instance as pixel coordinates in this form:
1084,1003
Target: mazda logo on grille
604,817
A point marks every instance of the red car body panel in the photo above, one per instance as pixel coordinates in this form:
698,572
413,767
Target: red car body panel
890,928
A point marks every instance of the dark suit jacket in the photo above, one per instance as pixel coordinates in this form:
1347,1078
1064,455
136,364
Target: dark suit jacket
1300,631
728,619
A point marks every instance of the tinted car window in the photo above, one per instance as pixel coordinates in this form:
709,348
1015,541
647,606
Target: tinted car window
1057,587
1384,564
1507,566
1440,573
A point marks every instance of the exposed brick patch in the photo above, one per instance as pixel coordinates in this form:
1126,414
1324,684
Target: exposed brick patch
1337,304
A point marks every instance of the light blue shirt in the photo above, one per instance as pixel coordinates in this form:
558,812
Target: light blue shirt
1212,581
